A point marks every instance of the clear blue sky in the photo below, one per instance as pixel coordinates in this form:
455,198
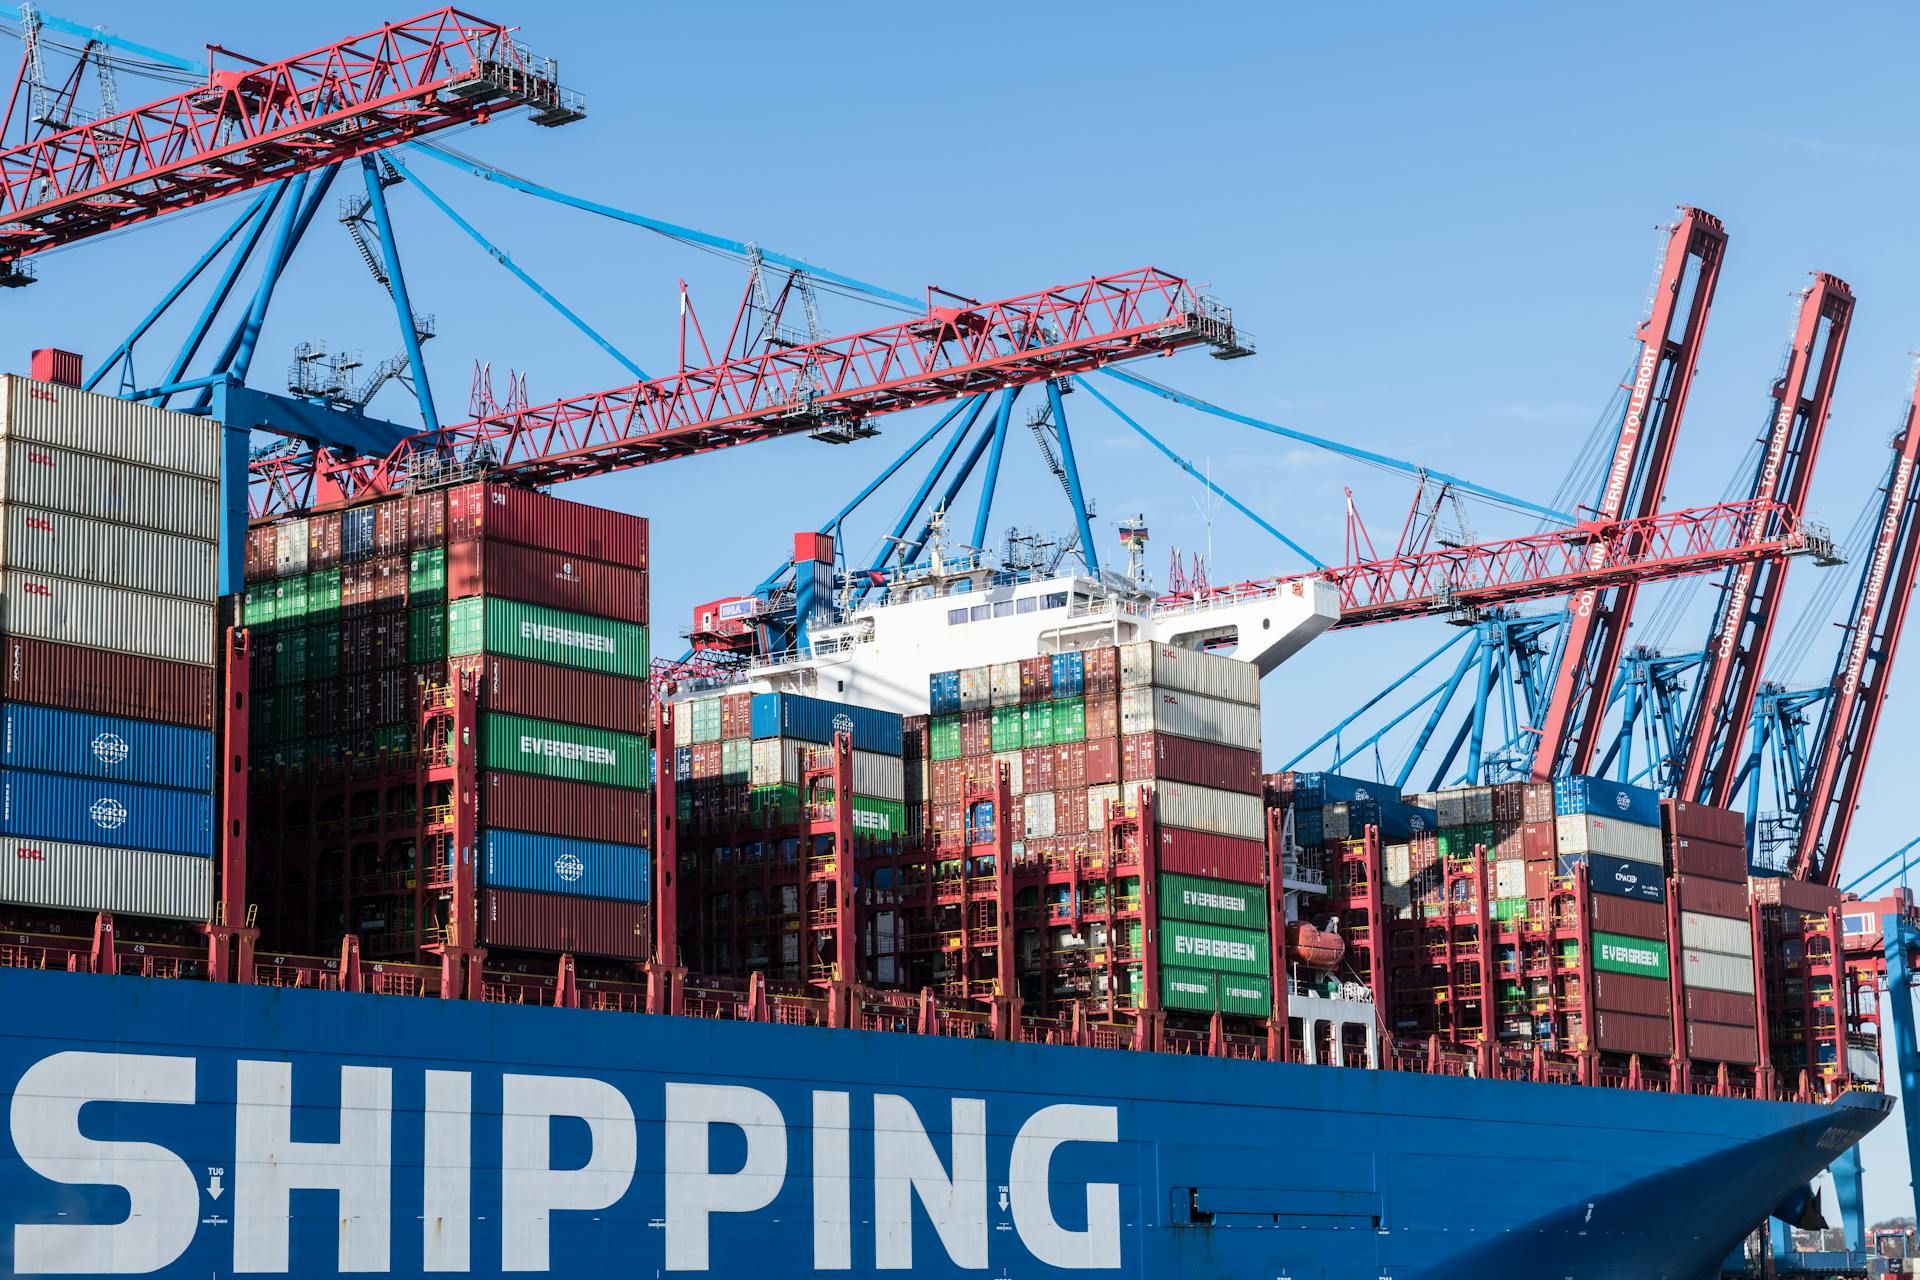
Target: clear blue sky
1439,221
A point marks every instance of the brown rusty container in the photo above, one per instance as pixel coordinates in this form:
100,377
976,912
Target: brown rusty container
111,684
516,920
564,694
1204,764
1716,1042
1685,818
506,514
580,810
1103,761
550,578
1625,993
1631,916
1727,1007
1633,1033
1713,898
323,542
1201,853
1693,855
1102,672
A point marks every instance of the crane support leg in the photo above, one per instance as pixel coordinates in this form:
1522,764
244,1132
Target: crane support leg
1901,939
1850,1192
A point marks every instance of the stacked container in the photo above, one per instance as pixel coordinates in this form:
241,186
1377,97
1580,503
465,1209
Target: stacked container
1705,848
1332,812
109,525
364,617
1613,830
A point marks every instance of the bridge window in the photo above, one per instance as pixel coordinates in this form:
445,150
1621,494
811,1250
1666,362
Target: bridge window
981,612
1003,608
1029,604
1054,600
956,616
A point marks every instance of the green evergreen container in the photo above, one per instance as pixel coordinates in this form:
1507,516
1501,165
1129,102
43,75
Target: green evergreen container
1211,901
1188,944
520,744
873,817
487,624
290,607
1641,957
1036,725
259,606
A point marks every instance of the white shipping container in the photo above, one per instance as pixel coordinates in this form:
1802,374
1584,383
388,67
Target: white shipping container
1452,807
1003,681
1336,822
1098,798
125,430
1013,760
1146,665
767,768
80,484
1039,815
976,689
83,877
1399,865
113,555
43,607
1510,878
1223,813
1585,833
290,547
1479,806
1711,971
1718,934
784,762
1152,709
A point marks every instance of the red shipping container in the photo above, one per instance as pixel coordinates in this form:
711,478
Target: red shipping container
549,578
260,555
1624,993
1721,826
1720,1006
1070,811
1101,671
111,684
356,586
390,637
564,694
1509,841
976,733
390,527
1633,1033
1714,1042
1630,916
1070,766
736,715
1203,764
1036,679
1103,761
913,732
1537,805
1799,895
1538,842
1036,769
1714,898
576,810
1103,714
706,760
513,919
1200,853
1696,857
323,541
427,520
1510,803
1539,880
390,578
506,514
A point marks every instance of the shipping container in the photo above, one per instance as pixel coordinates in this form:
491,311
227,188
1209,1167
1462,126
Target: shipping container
1711,971
1701,932
128,431
512,919
1588,833
1714,1042
559,693
1640,957
1708,858
1039,815
1633,1033
1720,1006
1798,895
506,514
1103,760
775,762
52,740
1161,666
521,744
65,611
1235,994
1629,916
1705,822
127,882
1207,764
1003,684
1209,809
1618,877
554,864
515,630
1715,898
943,693
1189,715
1067,678
549,578
525,802
1603,797
83,485
1201,853
103,683
792,715
873,817
49,806
976,688
1626,993
1187,944
1211,901
114,555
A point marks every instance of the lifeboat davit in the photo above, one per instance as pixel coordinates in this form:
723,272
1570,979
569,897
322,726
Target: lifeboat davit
1315,948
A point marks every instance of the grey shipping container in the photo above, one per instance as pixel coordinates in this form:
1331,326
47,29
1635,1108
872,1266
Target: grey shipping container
1585,833
79,483
1189,715
1716,933
81,877
1209,809
1714,972
1189,670
127,430
67,611
114,555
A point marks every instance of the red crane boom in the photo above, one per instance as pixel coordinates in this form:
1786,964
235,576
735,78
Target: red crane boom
1852,714
958,348
1595,633
1750,597
254,122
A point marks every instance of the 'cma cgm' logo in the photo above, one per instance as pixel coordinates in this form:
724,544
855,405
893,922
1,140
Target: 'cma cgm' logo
569,867
108,814
717,1157
110,748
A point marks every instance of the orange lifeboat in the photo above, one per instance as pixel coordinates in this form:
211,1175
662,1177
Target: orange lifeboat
1312,947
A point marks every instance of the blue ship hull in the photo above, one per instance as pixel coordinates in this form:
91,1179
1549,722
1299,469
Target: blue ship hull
191,1130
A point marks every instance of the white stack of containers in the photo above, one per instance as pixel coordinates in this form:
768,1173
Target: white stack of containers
108,581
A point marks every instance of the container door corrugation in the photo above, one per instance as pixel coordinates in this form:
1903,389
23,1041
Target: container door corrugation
515,630
524,802
554,693
55,741
79,877
83,485
1714,972
1187,944
515,919
552,864
93,680
65,611
49,806
1586,833
124,430
1182,897
507,514
1222,813
1701,932
1151,709
290,546
1003,682
1189,670
548,578
113,555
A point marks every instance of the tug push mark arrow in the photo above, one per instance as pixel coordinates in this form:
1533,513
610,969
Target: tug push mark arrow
214,1188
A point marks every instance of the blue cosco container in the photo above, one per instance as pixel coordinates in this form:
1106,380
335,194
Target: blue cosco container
1334,788
1400,821
1577,794
120,815
1621,877
943,693
791,715
54,741
1069,675
555,864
